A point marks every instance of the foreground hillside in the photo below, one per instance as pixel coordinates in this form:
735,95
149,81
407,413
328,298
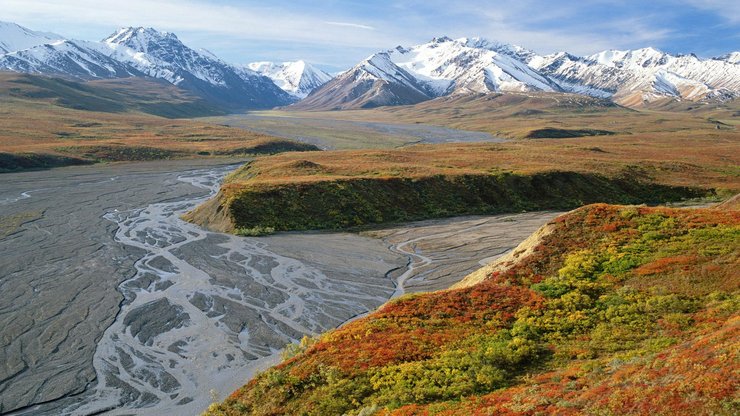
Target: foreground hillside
337,189
606,310
47,122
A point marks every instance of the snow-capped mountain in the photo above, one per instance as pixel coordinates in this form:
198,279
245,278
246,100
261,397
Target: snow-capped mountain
473,65
376,81
81,60
15,38
163,55
297,78
148,52
470,66
397,76
732,57
634,77
437,68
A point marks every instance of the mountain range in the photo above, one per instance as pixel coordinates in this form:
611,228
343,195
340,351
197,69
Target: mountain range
141,52
399,76
15,38
447,66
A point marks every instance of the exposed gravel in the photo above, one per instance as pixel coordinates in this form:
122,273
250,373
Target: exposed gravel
109,303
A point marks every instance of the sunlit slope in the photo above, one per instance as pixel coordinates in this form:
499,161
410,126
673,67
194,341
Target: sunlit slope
46,122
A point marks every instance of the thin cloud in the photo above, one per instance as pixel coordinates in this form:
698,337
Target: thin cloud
246,30
239,21
728,10
347,24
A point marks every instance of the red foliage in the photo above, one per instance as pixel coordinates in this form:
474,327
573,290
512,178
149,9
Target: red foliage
698,377
666,264
415,328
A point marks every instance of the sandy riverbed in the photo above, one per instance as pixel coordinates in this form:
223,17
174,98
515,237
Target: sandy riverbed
111,303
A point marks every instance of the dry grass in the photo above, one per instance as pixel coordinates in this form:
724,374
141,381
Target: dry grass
675,143
517,115
711,161
35,117
27,126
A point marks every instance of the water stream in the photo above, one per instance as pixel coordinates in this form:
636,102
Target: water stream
202,317
114,305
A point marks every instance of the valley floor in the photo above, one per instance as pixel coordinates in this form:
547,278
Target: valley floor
124,294
327,132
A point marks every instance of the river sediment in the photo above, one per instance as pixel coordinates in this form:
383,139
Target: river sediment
114,305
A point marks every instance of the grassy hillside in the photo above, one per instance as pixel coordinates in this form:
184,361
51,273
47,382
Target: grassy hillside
613,310
337,189
553,115
146,95
46,122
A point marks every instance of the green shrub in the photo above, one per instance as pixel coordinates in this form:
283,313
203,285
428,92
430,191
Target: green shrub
482,364
254,231
342,203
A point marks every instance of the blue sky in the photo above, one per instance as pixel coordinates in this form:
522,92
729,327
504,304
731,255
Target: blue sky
337,34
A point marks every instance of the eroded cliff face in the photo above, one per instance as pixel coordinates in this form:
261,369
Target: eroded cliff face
213,215
508,260
345,203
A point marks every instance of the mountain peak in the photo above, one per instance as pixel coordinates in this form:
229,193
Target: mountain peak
650,53
298,66
138,35
732,57
643,57
14,37
650,50
378,57
483,43
442,39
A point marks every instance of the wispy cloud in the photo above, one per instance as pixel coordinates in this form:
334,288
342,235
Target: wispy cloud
336,32
728,10
355,25
237,20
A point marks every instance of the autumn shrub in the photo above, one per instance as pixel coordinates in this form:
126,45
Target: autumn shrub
482,364
254,231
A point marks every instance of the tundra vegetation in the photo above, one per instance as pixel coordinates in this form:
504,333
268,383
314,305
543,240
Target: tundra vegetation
550,115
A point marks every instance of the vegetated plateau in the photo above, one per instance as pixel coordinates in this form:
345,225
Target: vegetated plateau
339,189
613,154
